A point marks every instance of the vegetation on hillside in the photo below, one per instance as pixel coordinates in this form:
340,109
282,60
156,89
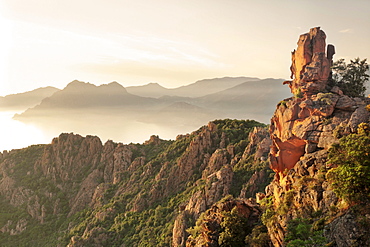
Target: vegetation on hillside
302,233
350,159
153,225
126,213
15,214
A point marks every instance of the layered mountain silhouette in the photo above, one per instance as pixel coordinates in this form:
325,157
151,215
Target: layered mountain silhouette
81,95
22,101
83,107
257,98
198,89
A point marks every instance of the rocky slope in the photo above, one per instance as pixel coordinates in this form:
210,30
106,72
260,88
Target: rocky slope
77,191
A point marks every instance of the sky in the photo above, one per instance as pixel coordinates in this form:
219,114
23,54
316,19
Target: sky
171,42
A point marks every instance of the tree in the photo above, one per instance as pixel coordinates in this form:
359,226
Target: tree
259,237
301,234
350,177
233,229
351,78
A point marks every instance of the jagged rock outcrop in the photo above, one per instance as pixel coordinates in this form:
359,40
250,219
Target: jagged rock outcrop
346,230
94,192
259,144
311,63
218,178
301,124
295,124
302,130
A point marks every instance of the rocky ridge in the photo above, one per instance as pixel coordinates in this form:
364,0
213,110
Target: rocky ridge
82,192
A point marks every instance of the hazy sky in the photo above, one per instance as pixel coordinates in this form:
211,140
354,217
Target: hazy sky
172,42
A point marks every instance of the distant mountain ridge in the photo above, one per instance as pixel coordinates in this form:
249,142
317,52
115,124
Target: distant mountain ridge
22,101
209,86
153,90
251,97
84,107
242,96
78,94
198,89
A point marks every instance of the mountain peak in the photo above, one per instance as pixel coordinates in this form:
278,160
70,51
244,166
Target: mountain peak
114,84
311,63
154,84
115,87
76,84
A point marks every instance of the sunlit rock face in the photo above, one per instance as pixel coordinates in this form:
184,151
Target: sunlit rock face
311,61
295,126
302,130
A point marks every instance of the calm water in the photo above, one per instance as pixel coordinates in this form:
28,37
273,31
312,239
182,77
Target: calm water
15,134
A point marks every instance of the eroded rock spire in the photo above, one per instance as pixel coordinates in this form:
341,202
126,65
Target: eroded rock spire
295,124
310,69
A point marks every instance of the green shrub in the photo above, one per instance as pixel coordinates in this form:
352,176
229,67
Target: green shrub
298,93
301,234
350,177
259,237
233,229
268,216
325,98
283,103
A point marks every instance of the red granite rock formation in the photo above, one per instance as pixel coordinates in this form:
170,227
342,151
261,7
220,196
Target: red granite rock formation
302,130
310,69
295,124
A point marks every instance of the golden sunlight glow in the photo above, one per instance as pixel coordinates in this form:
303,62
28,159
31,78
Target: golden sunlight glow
16,134
170,42
5,48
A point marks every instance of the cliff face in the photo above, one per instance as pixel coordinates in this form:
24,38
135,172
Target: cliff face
302,130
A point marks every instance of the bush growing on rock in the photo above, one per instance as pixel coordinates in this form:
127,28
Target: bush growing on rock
301,233
350,176
351,77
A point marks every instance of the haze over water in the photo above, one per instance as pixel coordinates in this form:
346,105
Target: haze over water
16,134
